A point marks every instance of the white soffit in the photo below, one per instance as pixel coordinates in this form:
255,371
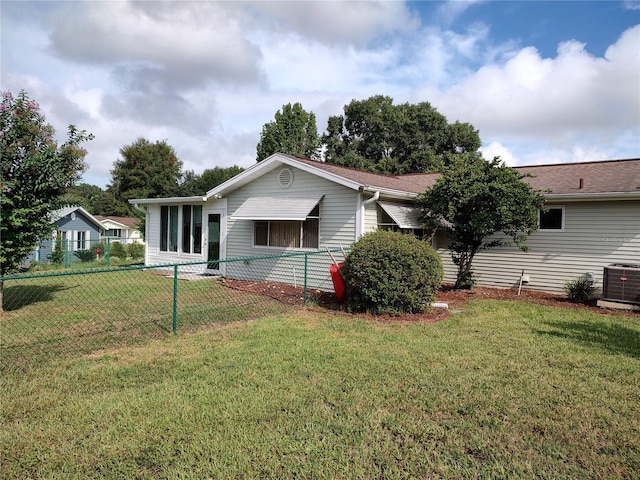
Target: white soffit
276,208
405,216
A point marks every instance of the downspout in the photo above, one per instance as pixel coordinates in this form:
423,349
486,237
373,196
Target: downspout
375,197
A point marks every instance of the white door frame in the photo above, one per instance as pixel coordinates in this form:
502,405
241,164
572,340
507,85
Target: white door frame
223,238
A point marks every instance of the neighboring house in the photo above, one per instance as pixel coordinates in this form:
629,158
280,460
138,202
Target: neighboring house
120,229
77,228
290,204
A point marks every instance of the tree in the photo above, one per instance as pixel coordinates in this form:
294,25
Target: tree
477,198
194,184
377,136
83,195
146,170
294,131
35,175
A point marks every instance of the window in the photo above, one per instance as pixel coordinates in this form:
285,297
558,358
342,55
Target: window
192,228
197,229
169,228
81,240
552,219
289,233
386,222
114,232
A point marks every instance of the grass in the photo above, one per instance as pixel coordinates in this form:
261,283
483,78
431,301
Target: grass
502,390
48,317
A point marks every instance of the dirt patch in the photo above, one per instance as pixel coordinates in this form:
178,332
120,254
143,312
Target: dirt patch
456,299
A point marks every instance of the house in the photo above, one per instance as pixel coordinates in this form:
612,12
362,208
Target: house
120,229
76,227
292,204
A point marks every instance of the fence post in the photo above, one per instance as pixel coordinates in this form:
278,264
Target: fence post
175,298
306,265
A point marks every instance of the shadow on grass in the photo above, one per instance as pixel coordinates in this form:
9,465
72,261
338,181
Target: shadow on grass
611,338
20,296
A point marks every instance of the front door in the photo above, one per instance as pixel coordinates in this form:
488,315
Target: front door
214,241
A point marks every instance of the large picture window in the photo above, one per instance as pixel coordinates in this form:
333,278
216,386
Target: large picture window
552,219
289,233
169,228
186,221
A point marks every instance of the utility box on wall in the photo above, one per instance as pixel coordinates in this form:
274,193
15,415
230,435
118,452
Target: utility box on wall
621,283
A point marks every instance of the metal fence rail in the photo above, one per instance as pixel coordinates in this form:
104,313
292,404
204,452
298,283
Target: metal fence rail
64,312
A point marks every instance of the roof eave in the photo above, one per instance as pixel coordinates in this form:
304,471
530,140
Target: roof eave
268,164
165,201
589,197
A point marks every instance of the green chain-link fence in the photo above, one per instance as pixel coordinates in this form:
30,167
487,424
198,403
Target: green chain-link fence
67,253
82,311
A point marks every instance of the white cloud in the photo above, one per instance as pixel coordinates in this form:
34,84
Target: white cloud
560,101
186,43
496,149
336,22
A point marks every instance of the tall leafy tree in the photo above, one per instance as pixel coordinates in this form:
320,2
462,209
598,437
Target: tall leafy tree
36,172
194,184
378,136
146,170
475,198
83,195
293,131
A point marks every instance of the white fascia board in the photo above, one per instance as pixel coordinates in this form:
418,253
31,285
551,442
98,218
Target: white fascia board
392,194
592,197
148,201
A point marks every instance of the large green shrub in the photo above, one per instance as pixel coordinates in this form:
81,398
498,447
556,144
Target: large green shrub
116,249
136,250
391,273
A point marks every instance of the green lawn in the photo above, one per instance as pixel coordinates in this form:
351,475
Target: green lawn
59,315
502,390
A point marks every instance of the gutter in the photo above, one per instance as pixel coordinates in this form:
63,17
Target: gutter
375,197
588,197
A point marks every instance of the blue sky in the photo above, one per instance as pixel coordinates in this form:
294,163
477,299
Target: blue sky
543,82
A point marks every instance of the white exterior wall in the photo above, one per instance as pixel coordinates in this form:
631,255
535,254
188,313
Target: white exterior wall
595,235
129,234
338,210
370,217
153,255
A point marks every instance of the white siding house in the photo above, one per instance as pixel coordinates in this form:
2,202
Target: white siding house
119,229
287,204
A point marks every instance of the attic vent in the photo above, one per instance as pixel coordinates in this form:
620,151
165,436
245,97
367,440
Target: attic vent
285,178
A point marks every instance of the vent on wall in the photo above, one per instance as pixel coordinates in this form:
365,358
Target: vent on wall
285,178
621,283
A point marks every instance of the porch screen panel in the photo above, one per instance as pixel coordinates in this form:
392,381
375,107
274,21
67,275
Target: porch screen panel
197,229
173,228
186,228
164,227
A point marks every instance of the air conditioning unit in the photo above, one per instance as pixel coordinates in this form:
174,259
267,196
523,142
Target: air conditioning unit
621,283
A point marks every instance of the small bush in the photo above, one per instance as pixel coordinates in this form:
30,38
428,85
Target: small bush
57,256
135,250
391,273
116,249
580,290
85,255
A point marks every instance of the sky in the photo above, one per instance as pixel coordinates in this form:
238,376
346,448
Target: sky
543,82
